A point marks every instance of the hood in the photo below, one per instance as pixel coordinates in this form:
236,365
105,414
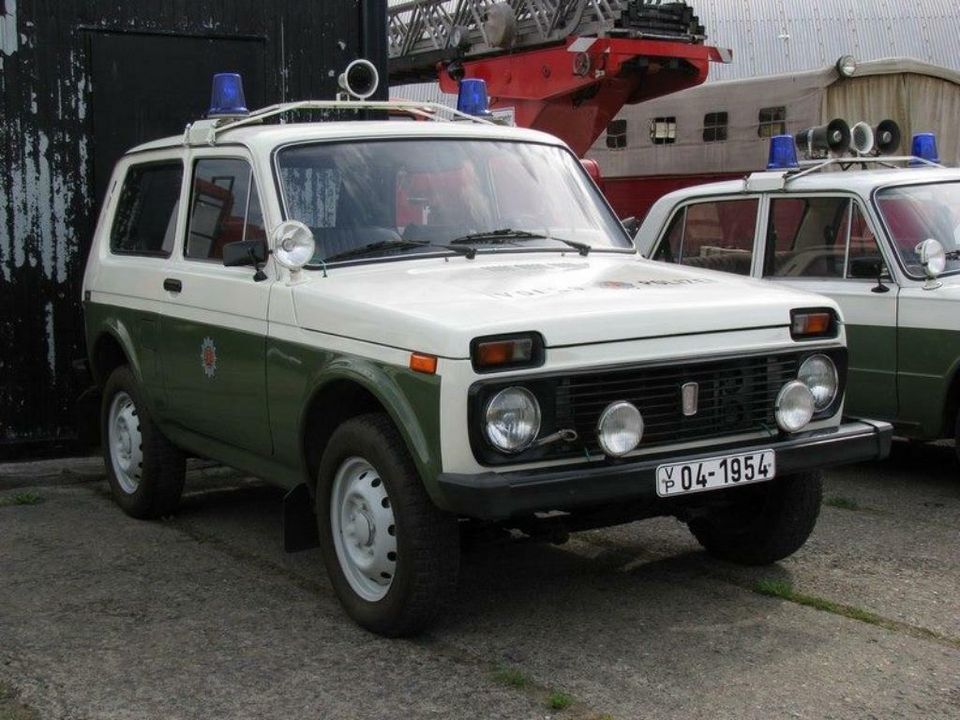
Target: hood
438,305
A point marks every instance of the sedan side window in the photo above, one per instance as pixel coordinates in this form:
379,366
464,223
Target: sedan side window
818,237
717,235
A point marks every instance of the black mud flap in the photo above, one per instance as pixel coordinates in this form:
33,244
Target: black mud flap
299,522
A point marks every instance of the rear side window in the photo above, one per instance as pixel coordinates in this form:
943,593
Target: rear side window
146,217
718,235
224,208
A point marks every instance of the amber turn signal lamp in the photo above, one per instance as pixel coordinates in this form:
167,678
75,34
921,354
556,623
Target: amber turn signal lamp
806,324
422,363
507,351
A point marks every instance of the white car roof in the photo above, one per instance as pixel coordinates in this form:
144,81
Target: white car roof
267,137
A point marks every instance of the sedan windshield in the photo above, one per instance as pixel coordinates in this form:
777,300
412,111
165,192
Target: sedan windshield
373,199
914,213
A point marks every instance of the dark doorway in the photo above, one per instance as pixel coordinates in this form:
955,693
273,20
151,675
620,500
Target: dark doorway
148,86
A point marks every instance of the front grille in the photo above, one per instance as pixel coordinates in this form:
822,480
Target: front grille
736,396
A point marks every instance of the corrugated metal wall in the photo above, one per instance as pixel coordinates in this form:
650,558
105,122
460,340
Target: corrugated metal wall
771,37
47,143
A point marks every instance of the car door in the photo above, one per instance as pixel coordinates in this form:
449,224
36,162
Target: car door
827,244
214,323
712,233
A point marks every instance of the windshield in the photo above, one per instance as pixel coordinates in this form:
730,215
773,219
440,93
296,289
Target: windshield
372,199
914,213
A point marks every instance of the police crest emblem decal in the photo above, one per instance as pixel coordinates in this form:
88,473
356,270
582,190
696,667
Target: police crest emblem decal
208,357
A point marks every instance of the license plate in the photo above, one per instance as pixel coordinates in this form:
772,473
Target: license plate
715,473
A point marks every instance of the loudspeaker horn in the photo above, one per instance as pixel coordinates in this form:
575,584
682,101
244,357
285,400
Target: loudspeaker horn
861,138
888,137
833,136
360,79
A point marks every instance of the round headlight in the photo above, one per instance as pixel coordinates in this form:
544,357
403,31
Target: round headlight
512,420
795,406
619,429
820,375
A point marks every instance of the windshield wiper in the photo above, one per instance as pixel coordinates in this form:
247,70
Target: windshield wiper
507,234
394,244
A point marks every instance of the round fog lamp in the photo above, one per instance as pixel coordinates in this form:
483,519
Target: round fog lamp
512,420
820,375
620,428
795,406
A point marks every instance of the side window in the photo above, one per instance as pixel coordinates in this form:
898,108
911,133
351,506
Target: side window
715,127
671,246
717,235
617,134
772,121
224,208
864,253
663,130
807,237
146,217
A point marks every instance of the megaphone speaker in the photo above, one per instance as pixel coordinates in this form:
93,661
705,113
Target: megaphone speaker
888,137
833,136
360,79
861,138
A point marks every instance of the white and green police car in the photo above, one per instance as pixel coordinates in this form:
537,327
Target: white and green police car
883,242
417,326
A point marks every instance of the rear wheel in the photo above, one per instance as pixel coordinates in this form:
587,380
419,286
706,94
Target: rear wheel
767,523
144,469
391,555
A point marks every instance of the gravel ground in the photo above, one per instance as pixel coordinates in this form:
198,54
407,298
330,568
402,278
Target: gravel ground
203,616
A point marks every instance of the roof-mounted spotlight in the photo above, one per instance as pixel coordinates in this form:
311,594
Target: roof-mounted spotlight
226,98
846,66
783,153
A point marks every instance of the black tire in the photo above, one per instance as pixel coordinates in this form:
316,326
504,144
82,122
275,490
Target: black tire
162,466
769,523
427,539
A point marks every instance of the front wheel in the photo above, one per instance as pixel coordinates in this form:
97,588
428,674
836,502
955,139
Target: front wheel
767,523
391,555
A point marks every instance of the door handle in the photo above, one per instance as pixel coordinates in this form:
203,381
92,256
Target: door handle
172,285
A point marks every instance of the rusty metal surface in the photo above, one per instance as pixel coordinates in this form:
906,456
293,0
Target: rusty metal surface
49,148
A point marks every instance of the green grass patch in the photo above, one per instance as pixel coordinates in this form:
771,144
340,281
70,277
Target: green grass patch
841,502
22,498
559,700
785,591
511,677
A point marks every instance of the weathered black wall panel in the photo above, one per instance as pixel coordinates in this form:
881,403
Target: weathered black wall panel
50,95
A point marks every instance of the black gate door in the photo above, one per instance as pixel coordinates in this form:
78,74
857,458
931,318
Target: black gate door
148,86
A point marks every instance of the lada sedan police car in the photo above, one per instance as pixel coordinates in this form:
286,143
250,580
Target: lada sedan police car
883,242
418,325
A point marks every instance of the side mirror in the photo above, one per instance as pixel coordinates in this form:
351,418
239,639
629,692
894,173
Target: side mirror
631,225
245,252
865,268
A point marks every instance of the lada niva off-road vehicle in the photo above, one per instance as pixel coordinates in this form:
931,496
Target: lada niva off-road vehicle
418,325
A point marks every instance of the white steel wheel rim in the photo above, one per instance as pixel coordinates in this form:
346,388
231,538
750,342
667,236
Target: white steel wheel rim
126,451
363,528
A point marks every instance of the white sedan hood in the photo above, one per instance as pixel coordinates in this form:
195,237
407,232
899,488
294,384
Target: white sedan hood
439,305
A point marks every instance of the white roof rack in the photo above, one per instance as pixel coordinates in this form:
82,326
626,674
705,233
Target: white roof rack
777,179
204,132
